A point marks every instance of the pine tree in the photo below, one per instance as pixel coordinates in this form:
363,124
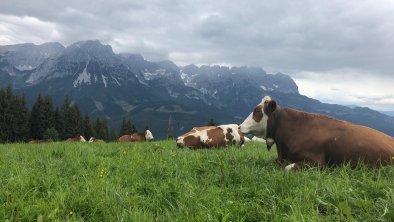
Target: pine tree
70,120
14,122
123,128
21,121
88,130
48,120
8,115
105,129
51,134
76,120
112,135
3,134
36,119
58,122
127,127
98,129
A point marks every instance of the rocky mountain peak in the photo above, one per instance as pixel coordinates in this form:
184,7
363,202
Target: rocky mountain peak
28,56
90,49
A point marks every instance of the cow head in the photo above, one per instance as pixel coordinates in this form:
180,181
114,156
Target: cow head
148,135
256,122
82,139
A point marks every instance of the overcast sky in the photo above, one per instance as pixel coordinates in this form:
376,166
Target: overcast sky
337,51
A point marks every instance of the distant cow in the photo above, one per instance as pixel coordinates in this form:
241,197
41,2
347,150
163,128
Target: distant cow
307,138
211,136
76,139
94,140
145,136
40,141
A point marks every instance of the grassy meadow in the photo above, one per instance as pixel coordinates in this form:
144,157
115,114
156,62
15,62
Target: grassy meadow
158,182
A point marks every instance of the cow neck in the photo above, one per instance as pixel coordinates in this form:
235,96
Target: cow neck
277,121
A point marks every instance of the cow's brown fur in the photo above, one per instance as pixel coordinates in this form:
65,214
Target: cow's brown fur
228,135
192,142
125,138
137,137
217,137
303,137
74,139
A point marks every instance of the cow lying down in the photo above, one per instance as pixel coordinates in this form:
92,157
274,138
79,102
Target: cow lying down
306,138
137,137
211,136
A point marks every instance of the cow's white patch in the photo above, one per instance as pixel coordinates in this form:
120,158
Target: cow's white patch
270,142
203,134
234,132
179,140
148,135
82,139
250,126
258,139
290,167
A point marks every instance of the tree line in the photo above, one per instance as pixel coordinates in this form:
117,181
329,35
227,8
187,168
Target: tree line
45,121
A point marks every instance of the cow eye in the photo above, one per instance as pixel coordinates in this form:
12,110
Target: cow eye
256,110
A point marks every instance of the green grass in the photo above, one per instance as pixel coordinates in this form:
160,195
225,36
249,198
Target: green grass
158,182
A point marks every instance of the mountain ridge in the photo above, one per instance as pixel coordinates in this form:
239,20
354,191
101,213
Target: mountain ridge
169,98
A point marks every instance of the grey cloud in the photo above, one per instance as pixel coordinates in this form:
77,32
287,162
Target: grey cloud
288,36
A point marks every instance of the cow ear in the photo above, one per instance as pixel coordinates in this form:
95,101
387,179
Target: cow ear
271,107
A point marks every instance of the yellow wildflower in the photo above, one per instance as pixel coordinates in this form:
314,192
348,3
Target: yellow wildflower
102,172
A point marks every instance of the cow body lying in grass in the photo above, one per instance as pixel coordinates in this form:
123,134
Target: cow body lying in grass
40,141
135,137
306,138
95,140
76,139
211,136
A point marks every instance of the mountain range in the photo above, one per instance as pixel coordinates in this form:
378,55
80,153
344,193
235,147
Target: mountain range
168,98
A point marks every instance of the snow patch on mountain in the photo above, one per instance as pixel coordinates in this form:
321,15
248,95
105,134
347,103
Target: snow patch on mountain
127,107
104,80
172,93
117,82
24,67
152,75
98,105
84,77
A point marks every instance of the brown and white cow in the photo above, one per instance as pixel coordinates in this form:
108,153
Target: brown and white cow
145,136
76,139
211,136
95,140
307,138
